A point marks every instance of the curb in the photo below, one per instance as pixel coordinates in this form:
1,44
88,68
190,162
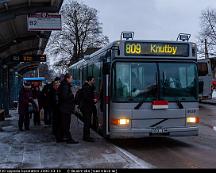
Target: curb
140,162
208,103
208,125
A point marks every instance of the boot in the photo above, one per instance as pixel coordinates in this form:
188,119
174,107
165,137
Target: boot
88,139
72,141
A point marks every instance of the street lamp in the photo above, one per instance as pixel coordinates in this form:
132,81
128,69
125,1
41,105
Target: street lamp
127,35
183,37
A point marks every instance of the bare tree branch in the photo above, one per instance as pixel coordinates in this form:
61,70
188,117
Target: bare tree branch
80,30
208,31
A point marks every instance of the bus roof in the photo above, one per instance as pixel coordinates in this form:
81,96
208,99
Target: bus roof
184,50
122,42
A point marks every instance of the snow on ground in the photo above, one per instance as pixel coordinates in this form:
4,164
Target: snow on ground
37,149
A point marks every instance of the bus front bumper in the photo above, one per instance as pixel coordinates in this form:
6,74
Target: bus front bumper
140,133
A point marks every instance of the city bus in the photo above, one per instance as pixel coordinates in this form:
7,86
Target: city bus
205,79
144,88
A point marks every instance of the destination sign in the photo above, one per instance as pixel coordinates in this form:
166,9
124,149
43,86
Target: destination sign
44,22
29,58
156,49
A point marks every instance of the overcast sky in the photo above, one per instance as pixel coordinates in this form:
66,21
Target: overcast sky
150,19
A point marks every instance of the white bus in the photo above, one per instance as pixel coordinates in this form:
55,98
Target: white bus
146,88
205,79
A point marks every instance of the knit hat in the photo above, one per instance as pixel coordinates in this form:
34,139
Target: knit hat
56,82
57,79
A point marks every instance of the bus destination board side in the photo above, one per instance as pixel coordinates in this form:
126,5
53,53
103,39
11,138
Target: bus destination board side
156,49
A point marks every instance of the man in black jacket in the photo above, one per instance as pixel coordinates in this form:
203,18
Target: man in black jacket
46,103
87,106
66,107
54,97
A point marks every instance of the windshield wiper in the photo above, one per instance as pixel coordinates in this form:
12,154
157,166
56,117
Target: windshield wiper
178,102
139,104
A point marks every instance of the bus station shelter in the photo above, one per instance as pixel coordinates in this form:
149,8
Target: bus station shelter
16,40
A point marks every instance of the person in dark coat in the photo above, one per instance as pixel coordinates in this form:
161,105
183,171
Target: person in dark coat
66,107
55,108
36,98
25,99
87,107
46,104
94,111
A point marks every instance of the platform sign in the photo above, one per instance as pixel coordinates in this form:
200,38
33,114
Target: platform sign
44,22
29,58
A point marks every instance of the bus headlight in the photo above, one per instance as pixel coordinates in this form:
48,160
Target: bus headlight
122,121
193,120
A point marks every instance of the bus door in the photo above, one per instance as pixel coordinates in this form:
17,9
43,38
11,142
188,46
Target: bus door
106,98
205,79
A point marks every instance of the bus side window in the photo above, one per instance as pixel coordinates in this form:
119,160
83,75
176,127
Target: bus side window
122,80
96,74
202,69
84,74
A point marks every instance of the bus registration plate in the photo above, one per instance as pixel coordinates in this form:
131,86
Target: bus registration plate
158,130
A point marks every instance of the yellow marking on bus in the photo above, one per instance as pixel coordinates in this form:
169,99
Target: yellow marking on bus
163,49
133,48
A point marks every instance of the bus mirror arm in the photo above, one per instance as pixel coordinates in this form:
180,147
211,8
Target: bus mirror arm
140,103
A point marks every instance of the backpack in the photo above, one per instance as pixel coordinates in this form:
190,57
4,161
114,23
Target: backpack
78,96
30,108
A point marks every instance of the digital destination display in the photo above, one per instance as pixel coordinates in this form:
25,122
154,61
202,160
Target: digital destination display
156,49
29,58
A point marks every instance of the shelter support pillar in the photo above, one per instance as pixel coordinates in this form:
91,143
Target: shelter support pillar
5,89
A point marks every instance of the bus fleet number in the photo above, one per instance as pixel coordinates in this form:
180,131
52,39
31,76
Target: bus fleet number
133,48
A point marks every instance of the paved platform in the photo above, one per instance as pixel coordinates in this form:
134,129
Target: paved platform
37,149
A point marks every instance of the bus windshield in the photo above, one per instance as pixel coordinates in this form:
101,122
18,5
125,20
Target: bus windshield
148,81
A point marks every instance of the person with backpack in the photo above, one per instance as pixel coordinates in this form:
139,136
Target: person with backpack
87,102
66,108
